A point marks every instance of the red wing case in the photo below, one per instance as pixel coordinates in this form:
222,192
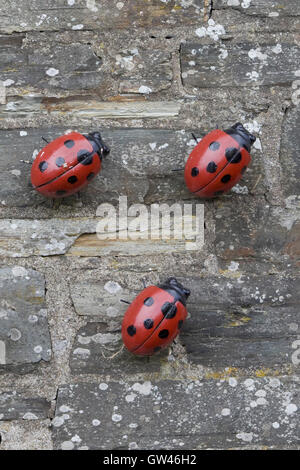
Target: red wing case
218,162
64,166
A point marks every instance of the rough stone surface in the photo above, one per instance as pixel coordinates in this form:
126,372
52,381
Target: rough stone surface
243,64
134,409
24,333
148,74
14,406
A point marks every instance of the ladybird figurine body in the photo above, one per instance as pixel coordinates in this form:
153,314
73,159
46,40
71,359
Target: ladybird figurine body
67,164
154,318
218,161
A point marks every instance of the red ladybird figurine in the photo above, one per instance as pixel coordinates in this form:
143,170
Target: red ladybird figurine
218,162
67,164
154,318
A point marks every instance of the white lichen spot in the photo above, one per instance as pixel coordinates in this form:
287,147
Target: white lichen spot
275,425
225,412
234,266
23,133
77,27
260,393
257,144
19,271
213,30
233,3
52,72
67,445
238,189
116,418
143,389
130,398
291,408
232,382
16,172
15,334
82,352
253,76
96,422
277,49
261,401
8,82
119,5
253,404
103,386
273,14
76,438
145,90
29,416
35,154
153,145
125,62
38,349
257,54
58,421
245,436
112,287
245,3
91,5
133,445
223,54
71,2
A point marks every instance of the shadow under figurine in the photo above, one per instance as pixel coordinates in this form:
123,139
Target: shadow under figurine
67,164
154,318
218,161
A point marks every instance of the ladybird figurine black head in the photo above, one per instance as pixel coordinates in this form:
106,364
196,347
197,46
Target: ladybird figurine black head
67,164
218,161
153,320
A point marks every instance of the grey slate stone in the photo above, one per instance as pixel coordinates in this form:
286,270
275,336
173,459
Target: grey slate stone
242,321
15,406
49,64
24,333
38,15
235,65
266,8
177,415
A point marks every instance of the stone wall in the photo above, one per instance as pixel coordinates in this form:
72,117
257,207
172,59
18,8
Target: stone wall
148,73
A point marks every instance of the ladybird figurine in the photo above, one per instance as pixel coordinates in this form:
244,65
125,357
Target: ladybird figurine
218,161
67,164
154,318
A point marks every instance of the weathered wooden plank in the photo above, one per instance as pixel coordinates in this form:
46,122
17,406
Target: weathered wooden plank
15,406
243,321
290,148
185,415
243,64
267,8
24,333
38,15
94,346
